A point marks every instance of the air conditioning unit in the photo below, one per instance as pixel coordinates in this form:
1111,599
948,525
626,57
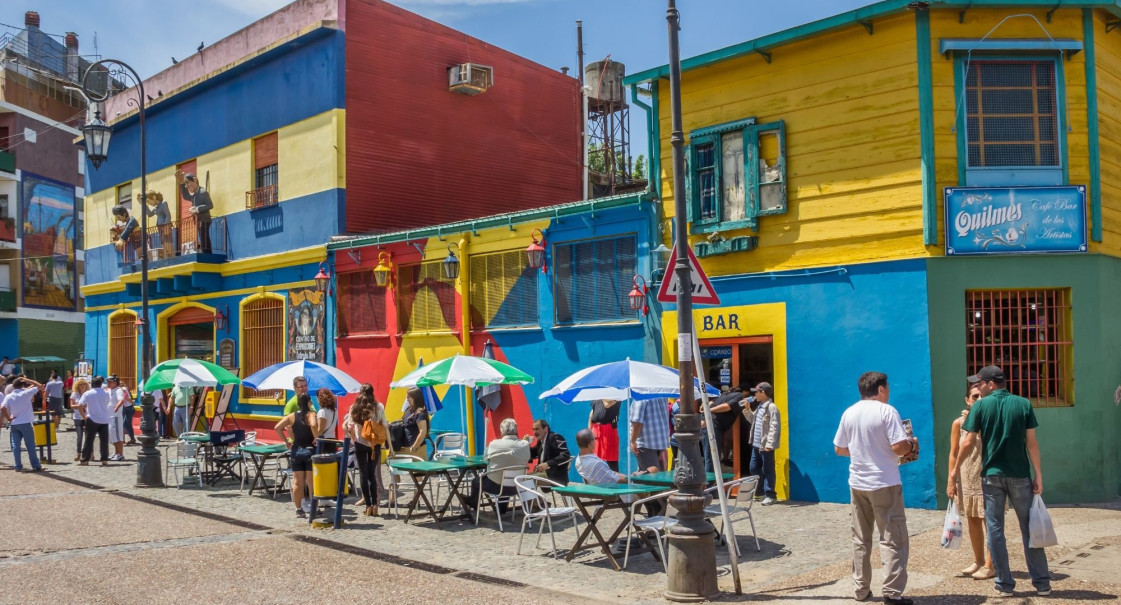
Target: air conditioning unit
470,78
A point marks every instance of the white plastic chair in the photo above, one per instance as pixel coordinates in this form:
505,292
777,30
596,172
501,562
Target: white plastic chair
450,444
745,497
507,494
186,457
655,525
537,507
399,481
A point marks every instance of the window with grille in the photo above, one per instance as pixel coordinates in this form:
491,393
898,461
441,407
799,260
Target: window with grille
503,290
361,304
266,190
262,338
122,348
593,279
1027,334
124,196
426,300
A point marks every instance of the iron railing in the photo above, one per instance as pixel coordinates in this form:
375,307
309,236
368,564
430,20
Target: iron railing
262,197
176,238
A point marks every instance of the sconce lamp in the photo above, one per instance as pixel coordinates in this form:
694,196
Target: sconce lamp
536,251
638,295
451,263
222,320
323,278
383,273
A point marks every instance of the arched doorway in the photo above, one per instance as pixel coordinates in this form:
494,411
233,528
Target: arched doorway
191,332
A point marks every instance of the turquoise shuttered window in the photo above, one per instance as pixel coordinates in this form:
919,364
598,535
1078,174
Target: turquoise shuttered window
503,290
593,279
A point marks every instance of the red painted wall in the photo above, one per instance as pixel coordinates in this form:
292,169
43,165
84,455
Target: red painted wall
418,154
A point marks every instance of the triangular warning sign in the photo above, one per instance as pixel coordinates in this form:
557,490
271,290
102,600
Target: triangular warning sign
703,292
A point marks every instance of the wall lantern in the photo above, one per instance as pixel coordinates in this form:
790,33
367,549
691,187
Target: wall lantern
323,278
451,263
383,273
97,134
222,320
638,296
536,251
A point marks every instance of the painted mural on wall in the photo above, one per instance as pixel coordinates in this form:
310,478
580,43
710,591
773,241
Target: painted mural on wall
306,330
47,212
1015,220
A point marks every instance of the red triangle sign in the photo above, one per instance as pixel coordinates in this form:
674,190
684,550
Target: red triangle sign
703,292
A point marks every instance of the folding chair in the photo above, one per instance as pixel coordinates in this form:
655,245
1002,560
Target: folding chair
225,457
744,499
655,525
537,507
185,457
508,491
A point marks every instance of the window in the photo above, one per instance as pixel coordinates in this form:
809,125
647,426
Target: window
503,290
738,173
593,279
262,337
426,299
361,304
122,347
124,196
1027,334
1012,123
265,176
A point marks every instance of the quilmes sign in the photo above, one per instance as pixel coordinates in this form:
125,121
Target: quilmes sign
1015,220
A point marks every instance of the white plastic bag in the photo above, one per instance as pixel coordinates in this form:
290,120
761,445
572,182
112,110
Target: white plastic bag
951,529
1042,533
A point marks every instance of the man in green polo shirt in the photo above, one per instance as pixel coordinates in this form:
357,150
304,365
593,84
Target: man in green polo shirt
299,385
1009,452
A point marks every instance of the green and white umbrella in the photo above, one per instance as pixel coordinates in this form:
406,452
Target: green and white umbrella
464,370
188,373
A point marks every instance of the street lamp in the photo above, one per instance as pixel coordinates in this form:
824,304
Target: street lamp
97,134
535,252
323,278
637,297
451,264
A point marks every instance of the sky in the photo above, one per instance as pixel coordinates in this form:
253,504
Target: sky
146,34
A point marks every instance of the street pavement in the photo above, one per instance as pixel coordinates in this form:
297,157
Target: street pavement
87,534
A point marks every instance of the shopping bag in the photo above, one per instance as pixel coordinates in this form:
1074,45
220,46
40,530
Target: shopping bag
951,528
1041,532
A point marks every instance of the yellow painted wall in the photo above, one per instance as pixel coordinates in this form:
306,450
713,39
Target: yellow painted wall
1107,49
850,102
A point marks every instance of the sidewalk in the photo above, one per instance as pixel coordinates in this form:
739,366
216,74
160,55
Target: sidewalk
805,547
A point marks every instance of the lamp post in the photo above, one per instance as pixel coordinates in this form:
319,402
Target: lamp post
97,134
691,570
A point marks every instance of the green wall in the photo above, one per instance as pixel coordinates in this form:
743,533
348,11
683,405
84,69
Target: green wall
1080,445
38,337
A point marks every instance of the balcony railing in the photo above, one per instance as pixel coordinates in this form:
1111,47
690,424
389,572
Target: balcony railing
8,229
177,238
262,197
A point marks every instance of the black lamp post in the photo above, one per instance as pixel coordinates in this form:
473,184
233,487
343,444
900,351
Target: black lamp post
97,134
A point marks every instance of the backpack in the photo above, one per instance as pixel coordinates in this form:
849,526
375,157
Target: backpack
374,432
397,435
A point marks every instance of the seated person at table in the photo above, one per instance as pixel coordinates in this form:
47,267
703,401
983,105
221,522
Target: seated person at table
594,471
551,452
505,451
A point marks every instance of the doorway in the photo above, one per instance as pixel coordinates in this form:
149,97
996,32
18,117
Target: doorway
192,334
729,362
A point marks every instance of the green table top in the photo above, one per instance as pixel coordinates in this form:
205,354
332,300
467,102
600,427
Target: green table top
264,448
605,491
665,478
445,464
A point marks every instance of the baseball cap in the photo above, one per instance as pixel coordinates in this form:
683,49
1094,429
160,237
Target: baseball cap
765,387
987,374
113,378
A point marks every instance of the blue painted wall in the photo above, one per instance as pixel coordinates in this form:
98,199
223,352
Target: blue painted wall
9,338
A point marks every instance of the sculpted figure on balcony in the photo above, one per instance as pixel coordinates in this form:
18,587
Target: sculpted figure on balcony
200,206
154,205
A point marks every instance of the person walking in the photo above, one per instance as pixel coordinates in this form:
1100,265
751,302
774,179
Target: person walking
1005,425
97,413
18,409
966,492
872,436
765,434
603,422
80,388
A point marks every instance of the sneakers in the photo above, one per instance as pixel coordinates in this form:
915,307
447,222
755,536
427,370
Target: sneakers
116,458
899,601
1002,593
300,514
768,501
1043,592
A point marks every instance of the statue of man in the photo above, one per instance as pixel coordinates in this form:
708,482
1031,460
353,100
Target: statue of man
200,206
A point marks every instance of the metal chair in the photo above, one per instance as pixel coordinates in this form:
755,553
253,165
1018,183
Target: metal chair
655,525
449,444
399,481
745,497
536,506
508,491
186,457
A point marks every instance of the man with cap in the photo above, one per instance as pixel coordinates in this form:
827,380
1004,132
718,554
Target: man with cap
200,206
766,430
1006,425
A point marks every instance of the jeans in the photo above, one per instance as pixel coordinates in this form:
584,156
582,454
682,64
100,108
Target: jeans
179,420
161,422
80,429
763,466
126,417
24,435
1017,491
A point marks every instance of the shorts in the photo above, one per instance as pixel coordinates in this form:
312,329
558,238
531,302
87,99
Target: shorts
57,409
116,429
301,459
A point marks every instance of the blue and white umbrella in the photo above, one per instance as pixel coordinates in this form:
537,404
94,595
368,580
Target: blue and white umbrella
621,380
318,375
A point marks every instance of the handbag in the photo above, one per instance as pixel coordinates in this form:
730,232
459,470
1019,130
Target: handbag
373,432
397,435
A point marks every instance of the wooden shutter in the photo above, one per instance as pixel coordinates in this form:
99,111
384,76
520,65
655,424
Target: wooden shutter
265,151
262,338
361,304
122,348
427,300
593,279
503,290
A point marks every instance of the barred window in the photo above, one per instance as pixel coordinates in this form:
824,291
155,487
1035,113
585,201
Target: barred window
503,290
1027,334
262,338
1011,113
593,279
361,304
122,348
426,300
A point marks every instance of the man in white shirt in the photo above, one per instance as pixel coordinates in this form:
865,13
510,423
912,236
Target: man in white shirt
872,436
18,411
118,399
6,367
95,409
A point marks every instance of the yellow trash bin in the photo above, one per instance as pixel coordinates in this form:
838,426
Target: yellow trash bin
211,404
325,475
42,430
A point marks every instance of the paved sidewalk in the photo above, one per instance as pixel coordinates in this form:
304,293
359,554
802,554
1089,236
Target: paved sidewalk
805,547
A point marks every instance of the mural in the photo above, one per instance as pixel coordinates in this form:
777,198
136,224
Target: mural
306,332
47,211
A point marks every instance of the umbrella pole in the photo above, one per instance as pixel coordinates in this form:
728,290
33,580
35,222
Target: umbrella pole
469,418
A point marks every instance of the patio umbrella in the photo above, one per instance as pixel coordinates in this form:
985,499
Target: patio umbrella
318,375
432,401
490,397
621,380
464,370
187,373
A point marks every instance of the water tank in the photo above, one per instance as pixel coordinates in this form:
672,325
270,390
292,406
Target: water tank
605,78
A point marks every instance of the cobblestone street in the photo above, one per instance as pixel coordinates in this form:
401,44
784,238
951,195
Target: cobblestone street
218,544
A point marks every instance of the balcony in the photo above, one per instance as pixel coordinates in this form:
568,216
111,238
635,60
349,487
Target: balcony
262,197
7,300
8,229
177,242
7,161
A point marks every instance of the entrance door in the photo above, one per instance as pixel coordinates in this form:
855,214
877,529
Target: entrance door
729,362
191,334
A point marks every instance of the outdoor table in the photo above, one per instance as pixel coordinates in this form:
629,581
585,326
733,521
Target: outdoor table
422,471
259,454
605,497
665,479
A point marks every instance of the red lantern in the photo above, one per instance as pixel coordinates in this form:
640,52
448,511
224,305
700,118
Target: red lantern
535,252
323,278
638,295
